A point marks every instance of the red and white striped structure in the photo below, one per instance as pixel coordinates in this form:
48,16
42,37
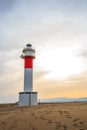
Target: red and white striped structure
28,97
28,56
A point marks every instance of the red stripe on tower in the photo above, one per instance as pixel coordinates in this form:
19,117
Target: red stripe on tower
28,63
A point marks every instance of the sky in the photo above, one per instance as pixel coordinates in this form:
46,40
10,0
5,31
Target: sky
58,31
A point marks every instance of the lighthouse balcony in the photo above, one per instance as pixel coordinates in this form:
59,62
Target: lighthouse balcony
27,55
28,49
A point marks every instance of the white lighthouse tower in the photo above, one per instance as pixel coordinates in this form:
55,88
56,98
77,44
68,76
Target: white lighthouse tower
28,97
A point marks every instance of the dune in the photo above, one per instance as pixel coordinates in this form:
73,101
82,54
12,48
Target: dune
57,116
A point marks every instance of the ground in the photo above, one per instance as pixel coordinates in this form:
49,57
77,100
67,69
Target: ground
59,116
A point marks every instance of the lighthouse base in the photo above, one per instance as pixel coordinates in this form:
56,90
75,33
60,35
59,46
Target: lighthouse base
27,98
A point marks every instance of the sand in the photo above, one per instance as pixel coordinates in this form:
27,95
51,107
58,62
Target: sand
61,116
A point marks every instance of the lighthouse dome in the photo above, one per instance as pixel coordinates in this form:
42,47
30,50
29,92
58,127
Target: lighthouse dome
29,45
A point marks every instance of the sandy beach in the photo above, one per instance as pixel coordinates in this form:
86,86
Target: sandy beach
60,116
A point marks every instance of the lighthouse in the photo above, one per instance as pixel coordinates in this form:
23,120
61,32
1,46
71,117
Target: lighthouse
28,97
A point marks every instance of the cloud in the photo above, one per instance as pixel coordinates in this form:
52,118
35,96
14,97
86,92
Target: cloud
41,22
6,5
75,86
45,24
83,52
38,75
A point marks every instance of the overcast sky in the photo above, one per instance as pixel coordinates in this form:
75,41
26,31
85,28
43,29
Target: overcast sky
58,31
